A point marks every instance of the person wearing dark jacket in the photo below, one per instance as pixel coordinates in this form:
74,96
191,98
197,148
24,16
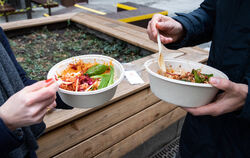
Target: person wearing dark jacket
23,104
220,129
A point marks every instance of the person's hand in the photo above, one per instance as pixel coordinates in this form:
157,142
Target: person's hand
29,105
232,99
170,30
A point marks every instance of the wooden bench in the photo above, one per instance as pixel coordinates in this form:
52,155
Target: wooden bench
130,119
6,9
70,3
46,4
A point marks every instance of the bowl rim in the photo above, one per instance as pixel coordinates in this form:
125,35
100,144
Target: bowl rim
94,56
151,61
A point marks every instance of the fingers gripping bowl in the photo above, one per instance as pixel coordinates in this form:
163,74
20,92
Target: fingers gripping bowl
182,93
88,99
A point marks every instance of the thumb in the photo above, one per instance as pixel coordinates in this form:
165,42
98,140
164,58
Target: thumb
221,83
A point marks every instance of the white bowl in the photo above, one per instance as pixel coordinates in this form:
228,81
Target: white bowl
181,93
92,98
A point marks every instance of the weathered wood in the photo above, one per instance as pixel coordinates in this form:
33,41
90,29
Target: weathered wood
6,9
129,33
45,3
118,30
74,132
139,137
36,22
118,132
194,54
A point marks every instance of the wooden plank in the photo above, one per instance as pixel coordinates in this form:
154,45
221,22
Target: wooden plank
111,32
36,22
138,138
109,29
126,32
124,89
115,134
120,26
123,31
141,33
194,54
74,132
140,29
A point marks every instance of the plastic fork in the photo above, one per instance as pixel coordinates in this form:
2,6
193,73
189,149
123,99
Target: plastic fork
161,62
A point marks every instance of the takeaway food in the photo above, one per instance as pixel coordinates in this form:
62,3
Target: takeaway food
185,94
80,66
194,76
82,76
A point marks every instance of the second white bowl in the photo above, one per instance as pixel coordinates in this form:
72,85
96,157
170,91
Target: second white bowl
182,93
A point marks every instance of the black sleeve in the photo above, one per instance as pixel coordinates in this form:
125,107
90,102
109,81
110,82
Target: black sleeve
8,141
245,112
198,24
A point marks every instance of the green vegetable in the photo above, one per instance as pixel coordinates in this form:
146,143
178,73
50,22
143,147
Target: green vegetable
196,76
208,75
199,79
97,76
111,80
104,81
96,70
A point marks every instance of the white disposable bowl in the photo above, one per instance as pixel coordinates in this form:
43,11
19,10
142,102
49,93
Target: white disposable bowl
181,93
92,98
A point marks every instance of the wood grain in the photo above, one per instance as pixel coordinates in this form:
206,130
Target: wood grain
77,131
139,137
120,131
36,22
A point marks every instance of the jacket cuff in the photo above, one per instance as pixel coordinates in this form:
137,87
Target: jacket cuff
61,104
8,140
183,42
245,113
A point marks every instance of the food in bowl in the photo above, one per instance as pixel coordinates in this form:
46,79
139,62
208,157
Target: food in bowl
88,98
194,76
178,92
82,76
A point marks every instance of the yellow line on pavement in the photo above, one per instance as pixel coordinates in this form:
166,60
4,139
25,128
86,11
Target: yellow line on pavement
126,7
89,9
142,17
46,15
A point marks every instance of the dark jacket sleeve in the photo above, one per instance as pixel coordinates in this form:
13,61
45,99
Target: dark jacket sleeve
198,25
8,141
245,113
22,73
